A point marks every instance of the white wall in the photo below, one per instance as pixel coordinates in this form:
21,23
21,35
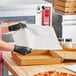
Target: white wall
69,31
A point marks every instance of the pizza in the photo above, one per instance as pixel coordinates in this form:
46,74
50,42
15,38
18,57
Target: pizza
53,73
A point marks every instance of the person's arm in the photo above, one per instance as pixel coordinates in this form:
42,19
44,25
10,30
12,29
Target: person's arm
9,47
5,46
14,27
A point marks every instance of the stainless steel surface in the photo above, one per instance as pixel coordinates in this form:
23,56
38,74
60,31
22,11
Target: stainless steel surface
7,38
57,23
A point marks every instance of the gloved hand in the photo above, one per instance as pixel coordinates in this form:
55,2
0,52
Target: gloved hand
16,26
22,50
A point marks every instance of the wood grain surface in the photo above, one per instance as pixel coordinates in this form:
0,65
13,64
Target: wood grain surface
65,6
32,70
37,57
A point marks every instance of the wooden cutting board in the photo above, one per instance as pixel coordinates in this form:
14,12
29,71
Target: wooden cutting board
66,55
37,57
70,49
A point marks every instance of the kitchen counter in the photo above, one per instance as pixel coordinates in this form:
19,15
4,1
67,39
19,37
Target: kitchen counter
17,70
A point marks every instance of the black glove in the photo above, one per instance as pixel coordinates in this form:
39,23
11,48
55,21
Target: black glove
16,26
22,50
